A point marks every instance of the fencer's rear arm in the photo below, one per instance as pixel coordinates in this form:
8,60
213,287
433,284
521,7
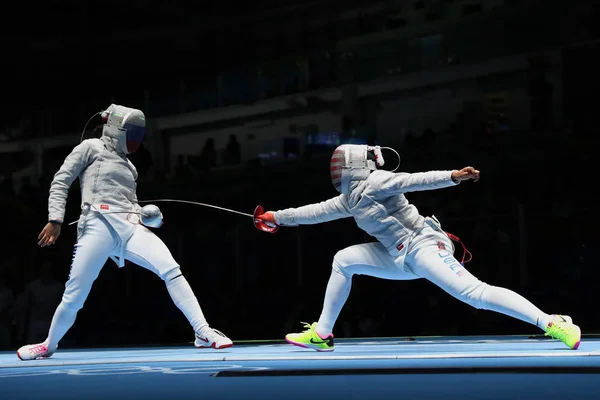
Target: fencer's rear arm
75,162
329,210
396,183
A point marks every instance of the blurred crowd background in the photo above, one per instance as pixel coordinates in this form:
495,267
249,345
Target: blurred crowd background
245,105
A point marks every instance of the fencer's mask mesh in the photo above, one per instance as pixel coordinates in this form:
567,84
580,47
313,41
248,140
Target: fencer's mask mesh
126,125
352,162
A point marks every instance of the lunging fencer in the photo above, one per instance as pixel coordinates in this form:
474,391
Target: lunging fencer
112,225
410,246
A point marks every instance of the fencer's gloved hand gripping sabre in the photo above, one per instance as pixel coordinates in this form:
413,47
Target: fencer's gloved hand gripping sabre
151,216
265,221
268,218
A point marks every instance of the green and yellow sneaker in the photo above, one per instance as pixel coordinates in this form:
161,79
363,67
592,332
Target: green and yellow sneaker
562,328
310,339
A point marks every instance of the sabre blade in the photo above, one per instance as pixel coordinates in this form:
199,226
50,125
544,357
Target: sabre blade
196,203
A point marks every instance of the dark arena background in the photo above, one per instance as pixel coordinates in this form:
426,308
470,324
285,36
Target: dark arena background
244,104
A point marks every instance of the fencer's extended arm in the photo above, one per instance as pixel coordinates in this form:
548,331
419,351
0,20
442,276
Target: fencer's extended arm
329,210
75,162
396,183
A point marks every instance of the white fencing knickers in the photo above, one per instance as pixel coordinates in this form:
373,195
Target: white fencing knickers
95,245
429,256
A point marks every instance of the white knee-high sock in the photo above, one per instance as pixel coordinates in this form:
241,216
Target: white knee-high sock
62,321
186,301
338,290
507,302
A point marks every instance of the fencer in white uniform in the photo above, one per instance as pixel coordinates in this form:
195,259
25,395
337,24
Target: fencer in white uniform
409,245
112,225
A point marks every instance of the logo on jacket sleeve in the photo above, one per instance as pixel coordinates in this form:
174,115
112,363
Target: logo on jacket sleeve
103,207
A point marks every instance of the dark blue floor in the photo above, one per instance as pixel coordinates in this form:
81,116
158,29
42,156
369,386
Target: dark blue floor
460,368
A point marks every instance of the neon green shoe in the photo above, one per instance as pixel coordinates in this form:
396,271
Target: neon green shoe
310,339
562,328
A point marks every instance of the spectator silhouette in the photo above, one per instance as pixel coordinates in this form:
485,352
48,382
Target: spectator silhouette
232,151
182,170
208,157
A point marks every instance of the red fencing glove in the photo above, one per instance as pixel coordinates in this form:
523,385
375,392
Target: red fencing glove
265,221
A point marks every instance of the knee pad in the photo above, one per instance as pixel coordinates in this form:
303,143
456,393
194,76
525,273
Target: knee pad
342,263
475,296
72,305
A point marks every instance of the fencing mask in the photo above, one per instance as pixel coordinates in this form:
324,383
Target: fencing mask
126,125
354,162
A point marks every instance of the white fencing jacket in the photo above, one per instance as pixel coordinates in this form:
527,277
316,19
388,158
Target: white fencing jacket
378,206
108,188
